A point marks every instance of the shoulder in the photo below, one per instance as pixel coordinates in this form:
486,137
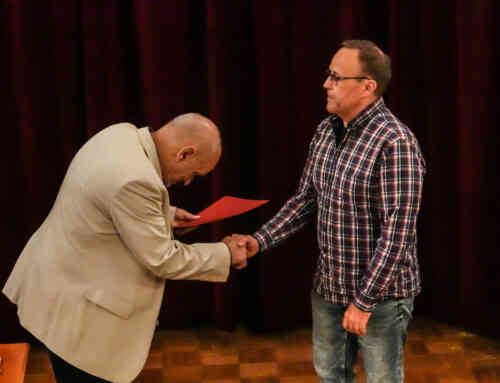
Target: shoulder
113,136
398,141
122,127
118,159
391,130
392,136
119,131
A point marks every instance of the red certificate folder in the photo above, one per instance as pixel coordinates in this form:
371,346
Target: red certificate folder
224,208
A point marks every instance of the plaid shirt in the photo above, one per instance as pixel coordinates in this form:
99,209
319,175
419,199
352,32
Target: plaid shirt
365,194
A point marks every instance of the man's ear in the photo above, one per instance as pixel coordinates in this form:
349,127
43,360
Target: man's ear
185,153
371,86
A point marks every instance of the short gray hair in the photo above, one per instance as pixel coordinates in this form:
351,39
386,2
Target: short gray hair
374,62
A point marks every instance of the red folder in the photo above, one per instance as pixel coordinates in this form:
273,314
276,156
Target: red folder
224,208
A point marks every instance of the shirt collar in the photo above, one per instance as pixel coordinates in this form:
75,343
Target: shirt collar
149,148
363,117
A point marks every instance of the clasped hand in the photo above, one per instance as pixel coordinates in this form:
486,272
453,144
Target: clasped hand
242,247
246,246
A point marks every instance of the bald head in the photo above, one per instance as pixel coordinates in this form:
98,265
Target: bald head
189,145
193,127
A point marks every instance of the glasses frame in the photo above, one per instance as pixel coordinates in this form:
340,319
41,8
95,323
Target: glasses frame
336,78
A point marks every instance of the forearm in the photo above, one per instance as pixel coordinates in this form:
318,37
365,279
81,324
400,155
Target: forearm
138,216
199,261
381,270
292,217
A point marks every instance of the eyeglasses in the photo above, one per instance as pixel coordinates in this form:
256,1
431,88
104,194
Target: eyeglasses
336,78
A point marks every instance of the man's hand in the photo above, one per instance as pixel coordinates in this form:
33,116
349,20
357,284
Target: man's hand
181,216
249,242
355,320
238,253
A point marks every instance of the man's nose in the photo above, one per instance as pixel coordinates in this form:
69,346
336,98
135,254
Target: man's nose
327,84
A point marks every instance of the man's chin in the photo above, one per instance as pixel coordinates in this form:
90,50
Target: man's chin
329,107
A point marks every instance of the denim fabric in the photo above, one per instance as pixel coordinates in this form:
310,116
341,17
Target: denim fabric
382,348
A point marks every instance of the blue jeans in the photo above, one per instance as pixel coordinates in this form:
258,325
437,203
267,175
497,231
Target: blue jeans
382,348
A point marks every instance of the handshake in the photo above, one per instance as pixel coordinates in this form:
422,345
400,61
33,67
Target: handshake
242,247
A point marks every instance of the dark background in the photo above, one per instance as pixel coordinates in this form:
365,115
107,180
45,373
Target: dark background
69,69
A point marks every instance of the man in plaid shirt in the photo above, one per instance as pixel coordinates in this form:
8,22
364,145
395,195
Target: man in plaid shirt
362,183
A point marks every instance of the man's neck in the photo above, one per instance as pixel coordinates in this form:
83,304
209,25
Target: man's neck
161,150
362,106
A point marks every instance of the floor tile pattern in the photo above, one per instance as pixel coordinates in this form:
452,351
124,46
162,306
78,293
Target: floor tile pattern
435,353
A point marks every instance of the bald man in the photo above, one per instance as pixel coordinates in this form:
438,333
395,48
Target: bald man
90,281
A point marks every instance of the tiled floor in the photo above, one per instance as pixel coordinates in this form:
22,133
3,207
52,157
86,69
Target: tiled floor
435,353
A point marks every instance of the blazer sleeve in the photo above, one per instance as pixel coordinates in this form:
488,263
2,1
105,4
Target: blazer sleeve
138,215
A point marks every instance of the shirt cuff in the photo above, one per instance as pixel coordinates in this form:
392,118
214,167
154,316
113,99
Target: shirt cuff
365,303
263,239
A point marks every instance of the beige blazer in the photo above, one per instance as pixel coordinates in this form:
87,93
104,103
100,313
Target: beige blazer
90,281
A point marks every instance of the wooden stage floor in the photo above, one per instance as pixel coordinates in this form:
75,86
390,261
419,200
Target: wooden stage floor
435,353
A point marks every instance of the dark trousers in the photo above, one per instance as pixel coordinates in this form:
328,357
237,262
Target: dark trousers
66,373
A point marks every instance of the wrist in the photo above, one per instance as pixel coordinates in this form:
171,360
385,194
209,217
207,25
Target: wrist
225,242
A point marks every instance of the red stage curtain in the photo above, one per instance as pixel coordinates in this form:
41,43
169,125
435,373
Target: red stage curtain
71,68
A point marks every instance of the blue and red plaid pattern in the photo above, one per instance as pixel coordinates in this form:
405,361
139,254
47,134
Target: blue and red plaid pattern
365,194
